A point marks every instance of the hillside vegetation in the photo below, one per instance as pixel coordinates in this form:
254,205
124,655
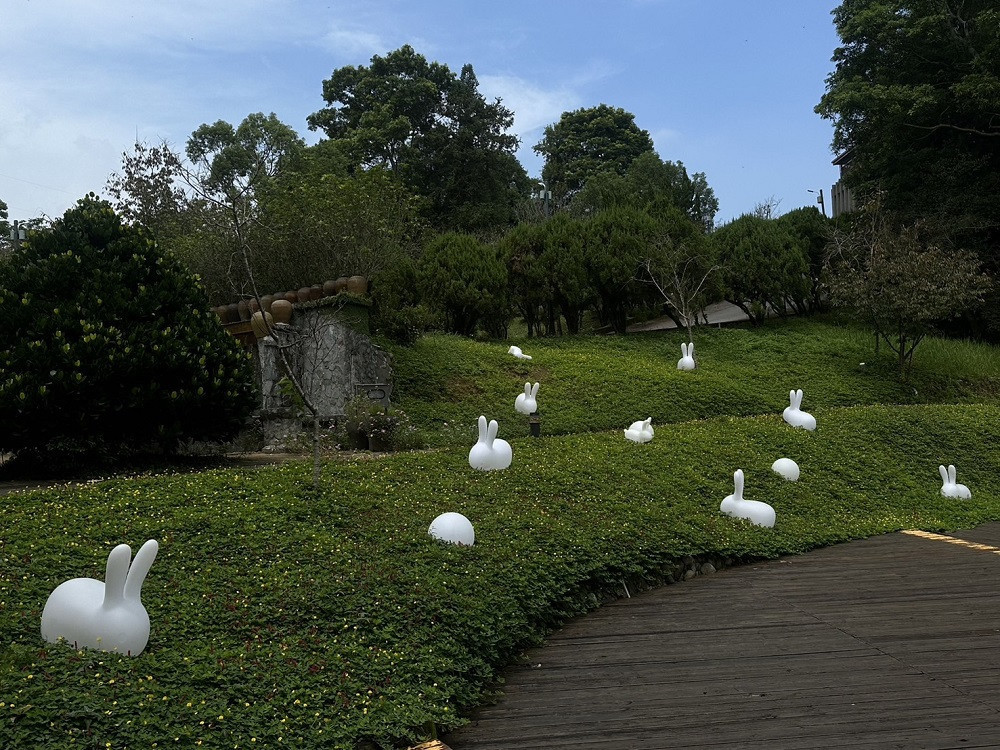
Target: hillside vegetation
281,616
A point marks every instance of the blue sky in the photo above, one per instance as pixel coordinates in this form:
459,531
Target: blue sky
726,86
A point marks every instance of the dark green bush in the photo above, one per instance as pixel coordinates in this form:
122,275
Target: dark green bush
108,346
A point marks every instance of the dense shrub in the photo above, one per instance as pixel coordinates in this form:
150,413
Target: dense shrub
464,280
108,345
764,266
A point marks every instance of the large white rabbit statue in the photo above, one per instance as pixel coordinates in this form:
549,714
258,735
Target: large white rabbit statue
686,362
794,415
754,511
453,528
526,403
516,351
105,616
641,431
480,456
951,488
502,453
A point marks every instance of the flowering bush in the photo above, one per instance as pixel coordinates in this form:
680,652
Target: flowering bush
109,347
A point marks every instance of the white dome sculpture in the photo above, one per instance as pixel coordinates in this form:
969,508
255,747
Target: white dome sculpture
686,362
106,616
453,528
950,487
794,415
526,402
516,351
641,431
756,512
786,468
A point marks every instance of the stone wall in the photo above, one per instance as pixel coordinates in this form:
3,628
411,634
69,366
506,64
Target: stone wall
329,354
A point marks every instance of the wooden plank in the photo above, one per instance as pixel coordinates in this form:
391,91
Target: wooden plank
888,642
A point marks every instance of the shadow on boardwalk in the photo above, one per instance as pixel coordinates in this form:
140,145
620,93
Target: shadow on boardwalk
890,642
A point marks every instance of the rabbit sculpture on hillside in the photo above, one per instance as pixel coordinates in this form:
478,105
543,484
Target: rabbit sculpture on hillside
951,488
490,453
526,402
686,362
641,431
794,415
106,616
754,511
516,351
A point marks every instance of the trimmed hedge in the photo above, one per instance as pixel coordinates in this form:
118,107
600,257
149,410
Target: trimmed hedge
280,617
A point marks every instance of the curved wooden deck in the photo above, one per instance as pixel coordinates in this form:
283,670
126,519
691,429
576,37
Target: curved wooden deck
890,642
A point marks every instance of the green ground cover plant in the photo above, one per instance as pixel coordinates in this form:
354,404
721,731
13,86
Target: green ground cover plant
284,616
592,383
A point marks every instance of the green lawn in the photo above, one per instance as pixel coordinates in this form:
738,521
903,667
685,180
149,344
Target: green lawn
283,617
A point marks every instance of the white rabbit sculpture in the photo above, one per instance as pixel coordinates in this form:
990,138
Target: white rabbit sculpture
480,455
787,468
686,362
105,616
453,528
951,488
502,453
794,415
516,351
641,431
754,511
490,452
526,402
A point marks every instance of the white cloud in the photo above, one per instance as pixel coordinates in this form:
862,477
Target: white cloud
352,42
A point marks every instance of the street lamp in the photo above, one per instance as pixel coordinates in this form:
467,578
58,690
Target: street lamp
819,200
544,194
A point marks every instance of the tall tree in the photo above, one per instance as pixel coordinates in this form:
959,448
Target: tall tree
649,180
915,99
587,142
433,128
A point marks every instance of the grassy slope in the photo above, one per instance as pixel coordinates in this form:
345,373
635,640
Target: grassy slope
325,620
595,383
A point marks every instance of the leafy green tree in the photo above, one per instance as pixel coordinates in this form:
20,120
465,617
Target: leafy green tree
110,347
617,243
649,180
565,261
587,142
764,268
466,281
915,99
435,129
812,231
320,226
900,282
521,249
682,267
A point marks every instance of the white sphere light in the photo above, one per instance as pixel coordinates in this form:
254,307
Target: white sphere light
453,528
786,468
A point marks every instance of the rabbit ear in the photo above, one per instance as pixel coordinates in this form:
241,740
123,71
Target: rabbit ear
482,429
140,567
952,474
691,349
491,435
117,572
684,350
798,399
527,389
534,390
738,483
944,473
791,398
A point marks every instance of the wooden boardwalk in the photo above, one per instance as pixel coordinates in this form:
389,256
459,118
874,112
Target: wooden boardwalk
891,642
